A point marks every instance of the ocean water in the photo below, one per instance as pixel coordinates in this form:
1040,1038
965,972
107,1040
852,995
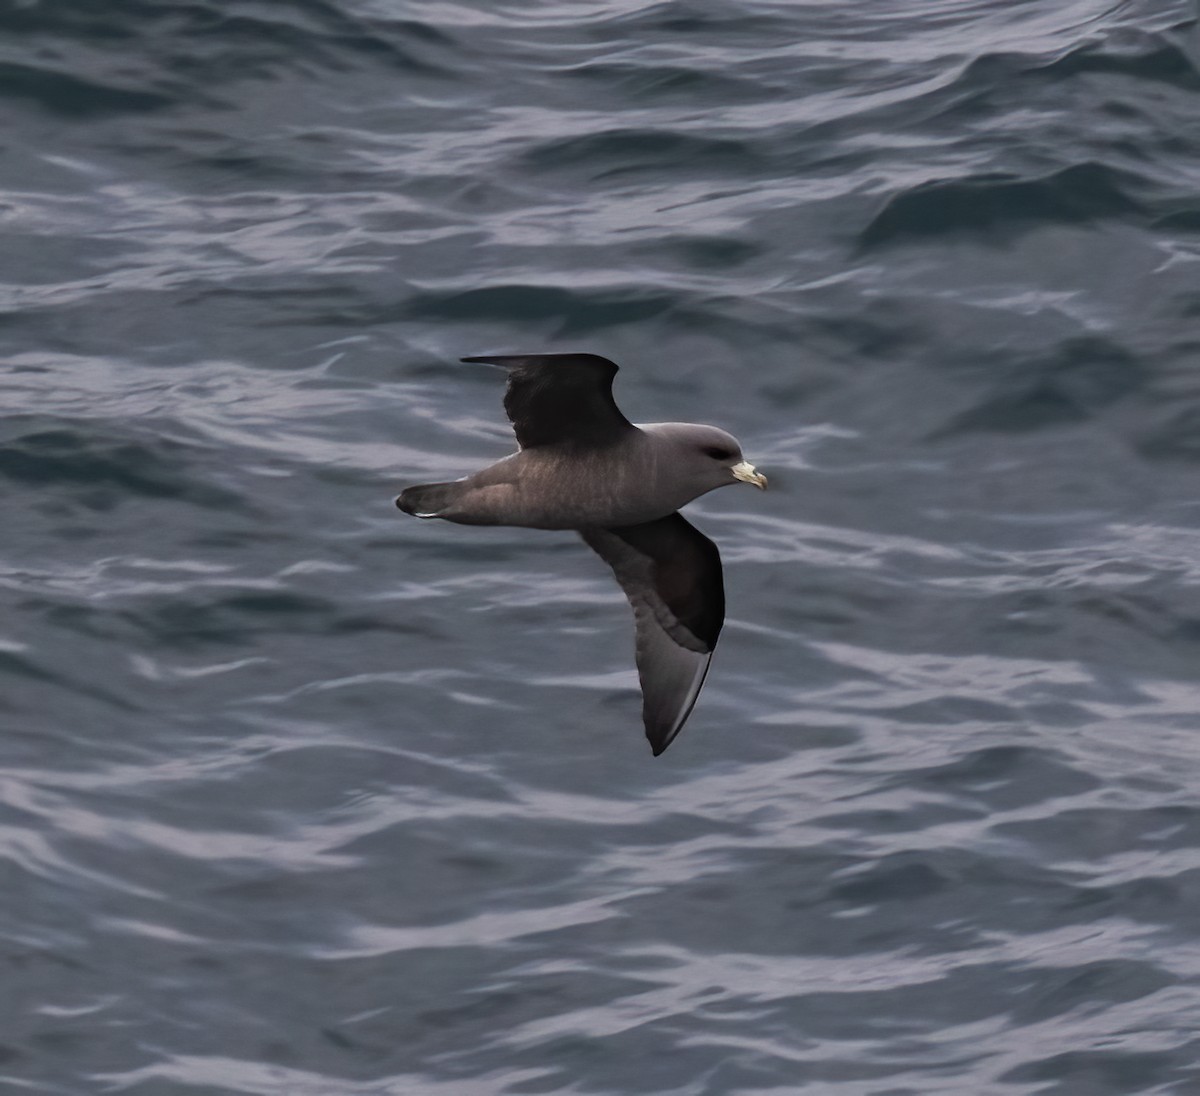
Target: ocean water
300,797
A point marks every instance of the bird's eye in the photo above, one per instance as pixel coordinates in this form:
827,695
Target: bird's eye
717,453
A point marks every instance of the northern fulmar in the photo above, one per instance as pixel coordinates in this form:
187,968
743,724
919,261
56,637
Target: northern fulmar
582,465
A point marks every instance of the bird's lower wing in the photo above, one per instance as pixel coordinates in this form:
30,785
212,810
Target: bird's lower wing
671,574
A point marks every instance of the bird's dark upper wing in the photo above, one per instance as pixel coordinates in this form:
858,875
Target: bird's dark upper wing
671,573
560,398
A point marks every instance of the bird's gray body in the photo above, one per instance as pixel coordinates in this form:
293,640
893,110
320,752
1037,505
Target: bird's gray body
642,475
582,465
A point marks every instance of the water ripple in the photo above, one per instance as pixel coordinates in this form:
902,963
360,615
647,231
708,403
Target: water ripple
297,796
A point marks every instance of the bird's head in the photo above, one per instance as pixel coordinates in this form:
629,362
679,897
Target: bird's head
714,457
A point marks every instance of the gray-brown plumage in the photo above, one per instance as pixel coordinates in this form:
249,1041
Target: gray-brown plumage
582,465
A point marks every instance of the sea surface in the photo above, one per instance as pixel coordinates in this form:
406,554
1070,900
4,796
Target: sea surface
302,797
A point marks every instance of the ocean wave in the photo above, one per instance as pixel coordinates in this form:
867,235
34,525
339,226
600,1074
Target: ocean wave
1004,204
299,795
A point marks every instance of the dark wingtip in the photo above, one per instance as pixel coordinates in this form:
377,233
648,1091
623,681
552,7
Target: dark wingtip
494,359
659,740
506,360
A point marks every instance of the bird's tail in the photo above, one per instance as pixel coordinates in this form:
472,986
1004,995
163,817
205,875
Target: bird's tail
428,500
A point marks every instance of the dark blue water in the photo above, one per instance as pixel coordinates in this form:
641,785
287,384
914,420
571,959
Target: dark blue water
300,797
